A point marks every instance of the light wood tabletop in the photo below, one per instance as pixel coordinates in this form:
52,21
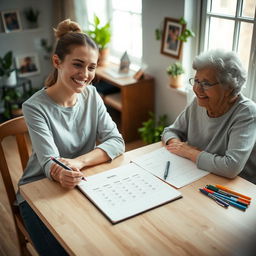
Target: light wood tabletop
192,225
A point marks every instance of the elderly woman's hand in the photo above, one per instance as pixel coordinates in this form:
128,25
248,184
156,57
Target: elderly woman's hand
183,149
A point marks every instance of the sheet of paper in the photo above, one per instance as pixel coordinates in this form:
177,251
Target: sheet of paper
182,171
127,191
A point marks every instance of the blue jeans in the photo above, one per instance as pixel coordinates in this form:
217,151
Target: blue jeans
43,240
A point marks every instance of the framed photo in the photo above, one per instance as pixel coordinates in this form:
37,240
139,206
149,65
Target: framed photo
171,46
27,65
11,21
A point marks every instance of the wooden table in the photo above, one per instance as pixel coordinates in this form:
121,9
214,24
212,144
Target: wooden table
192,225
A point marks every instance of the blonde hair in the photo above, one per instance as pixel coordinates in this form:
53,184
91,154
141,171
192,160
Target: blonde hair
68,33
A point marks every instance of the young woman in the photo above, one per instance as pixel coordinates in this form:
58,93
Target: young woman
65,119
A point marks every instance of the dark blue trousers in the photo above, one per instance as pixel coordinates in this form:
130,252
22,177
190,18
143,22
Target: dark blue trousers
45,243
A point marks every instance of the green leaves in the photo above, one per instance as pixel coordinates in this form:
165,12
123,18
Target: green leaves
101,35
186,33
6,63
152,129
175,69
31,14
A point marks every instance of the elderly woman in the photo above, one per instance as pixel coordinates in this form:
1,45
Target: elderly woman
217,130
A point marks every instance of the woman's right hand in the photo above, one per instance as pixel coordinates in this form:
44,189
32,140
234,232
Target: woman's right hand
67,179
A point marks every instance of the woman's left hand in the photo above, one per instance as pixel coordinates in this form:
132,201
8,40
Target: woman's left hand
183,149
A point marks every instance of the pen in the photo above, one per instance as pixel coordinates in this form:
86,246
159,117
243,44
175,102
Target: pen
239,206
216,199
232,192
239,199
166,169
226,197
63,165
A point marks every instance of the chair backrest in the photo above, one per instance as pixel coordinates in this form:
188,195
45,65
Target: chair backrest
15,127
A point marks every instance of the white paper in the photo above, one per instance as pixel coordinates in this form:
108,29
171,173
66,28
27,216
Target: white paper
126,191
181,172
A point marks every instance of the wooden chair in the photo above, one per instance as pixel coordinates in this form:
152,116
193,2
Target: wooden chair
18,128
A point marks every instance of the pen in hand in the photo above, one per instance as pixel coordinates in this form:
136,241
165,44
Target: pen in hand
167,167
63,165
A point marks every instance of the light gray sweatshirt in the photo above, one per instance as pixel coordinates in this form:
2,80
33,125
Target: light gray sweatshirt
67,131
228,143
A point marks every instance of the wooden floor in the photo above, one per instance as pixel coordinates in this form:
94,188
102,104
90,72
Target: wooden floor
8,240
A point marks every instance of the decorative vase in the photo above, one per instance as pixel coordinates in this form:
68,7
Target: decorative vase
176,81
103,56
11,80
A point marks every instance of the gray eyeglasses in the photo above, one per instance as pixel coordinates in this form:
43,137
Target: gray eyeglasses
204,85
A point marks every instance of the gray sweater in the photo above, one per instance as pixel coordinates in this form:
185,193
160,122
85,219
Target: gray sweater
228,142
67,131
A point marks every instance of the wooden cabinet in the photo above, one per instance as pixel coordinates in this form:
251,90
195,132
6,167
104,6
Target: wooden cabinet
133,101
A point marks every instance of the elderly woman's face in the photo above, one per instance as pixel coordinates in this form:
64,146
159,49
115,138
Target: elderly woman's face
214,98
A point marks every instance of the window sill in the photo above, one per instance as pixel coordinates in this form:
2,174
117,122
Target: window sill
181,91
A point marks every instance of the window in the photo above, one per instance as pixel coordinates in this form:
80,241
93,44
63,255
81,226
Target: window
125,17
231,25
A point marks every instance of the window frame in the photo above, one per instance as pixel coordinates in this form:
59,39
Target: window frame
116,55
206,14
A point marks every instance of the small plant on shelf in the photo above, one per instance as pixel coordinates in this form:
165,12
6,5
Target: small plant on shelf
175,69
175,72
152,129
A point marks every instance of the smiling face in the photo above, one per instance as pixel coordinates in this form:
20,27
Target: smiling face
215,99
77,69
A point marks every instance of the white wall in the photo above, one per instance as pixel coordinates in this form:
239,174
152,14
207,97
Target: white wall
28,41
168,101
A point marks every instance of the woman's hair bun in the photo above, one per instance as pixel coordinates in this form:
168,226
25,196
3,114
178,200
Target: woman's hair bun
65,27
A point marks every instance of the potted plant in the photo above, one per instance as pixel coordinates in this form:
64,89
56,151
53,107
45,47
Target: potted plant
32,17
7,71
152,129
175,72
102,36
13,100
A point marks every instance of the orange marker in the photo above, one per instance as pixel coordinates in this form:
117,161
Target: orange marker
232,192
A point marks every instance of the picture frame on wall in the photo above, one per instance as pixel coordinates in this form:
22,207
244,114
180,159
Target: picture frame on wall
171,45
27,65
11,21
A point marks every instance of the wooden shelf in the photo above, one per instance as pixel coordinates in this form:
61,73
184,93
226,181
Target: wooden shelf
133,103
114,100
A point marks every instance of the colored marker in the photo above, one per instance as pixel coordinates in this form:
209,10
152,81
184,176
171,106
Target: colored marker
63,165
238,199
232,192
216,199
239,206
226,197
